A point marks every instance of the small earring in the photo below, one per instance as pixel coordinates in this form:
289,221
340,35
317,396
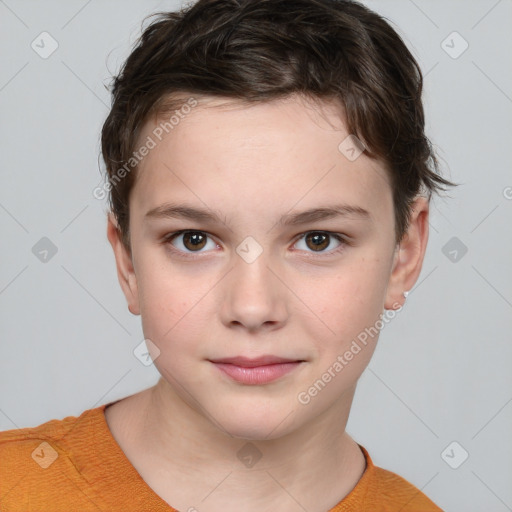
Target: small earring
405,294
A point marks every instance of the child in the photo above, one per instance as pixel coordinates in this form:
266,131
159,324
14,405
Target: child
269,182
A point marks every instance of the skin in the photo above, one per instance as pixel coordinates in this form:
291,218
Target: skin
254,165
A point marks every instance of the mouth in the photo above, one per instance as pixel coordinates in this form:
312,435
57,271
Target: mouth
261,370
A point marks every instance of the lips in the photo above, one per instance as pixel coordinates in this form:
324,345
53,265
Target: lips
256,371
246,362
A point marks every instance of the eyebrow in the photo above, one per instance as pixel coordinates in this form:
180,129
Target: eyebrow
183,211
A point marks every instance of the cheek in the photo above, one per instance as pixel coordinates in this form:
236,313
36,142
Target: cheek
170,320
347,304
172,306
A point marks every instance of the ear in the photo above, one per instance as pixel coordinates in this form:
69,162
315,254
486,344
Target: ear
124,264
409,254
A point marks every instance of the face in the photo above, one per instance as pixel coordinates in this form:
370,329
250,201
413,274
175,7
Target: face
226,264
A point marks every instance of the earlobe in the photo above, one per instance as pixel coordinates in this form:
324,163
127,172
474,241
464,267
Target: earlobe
133,305
124,265
409,255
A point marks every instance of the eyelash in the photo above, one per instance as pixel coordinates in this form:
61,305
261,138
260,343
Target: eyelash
343,241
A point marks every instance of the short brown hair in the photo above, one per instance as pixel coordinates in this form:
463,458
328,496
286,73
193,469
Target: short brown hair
261,50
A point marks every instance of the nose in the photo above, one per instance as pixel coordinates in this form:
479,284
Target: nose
254,298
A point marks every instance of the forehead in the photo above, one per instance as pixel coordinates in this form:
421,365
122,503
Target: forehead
249,158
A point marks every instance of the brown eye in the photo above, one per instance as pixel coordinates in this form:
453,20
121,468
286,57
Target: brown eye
317,241
321,242
194,240
188,242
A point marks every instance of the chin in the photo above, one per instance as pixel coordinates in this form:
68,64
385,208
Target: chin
257,424
255,432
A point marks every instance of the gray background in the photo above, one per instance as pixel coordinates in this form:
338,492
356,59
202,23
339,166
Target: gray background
441,372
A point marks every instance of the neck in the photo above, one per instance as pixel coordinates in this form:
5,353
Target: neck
314,466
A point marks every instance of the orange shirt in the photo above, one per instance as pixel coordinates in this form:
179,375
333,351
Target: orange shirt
75,464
